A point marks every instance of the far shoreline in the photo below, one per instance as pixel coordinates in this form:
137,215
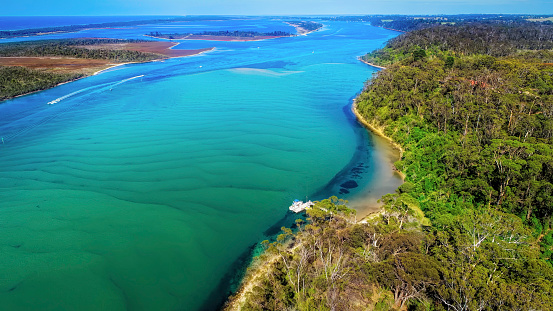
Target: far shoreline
218,38
302,31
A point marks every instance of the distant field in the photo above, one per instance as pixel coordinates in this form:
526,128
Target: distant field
58,64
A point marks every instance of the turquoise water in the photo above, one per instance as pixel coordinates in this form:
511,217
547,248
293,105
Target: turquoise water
142,193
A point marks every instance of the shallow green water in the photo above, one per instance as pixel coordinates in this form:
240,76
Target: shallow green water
142,195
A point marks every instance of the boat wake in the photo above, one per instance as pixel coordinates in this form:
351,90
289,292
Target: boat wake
24,125
110,84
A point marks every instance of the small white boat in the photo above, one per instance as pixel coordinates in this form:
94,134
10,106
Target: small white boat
299,206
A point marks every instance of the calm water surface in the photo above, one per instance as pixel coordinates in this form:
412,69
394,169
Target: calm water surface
142,193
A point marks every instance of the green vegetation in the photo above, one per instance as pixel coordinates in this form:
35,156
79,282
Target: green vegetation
20,80
75,48
484,124
482,260
483,39
307,25
471,227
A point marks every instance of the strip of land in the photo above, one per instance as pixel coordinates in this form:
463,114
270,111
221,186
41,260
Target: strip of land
224,38
75,28
222,35
61,62
304,28
214,38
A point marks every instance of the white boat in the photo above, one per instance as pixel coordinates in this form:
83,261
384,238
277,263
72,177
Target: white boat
299,206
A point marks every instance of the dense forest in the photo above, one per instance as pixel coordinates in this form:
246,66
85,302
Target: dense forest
470,229
16,80
477,38
75,48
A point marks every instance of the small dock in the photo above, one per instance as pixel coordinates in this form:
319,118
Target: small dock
299,206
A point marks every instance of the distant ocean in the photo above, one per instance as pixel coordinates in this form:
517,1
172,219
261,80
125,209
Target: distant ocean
25,22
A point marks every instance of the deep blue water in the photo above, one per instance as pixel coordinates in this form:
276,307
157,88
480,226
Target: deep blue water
141,187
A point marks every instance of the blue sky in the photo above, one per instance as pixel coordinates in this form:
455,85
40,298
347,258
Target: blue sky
270,7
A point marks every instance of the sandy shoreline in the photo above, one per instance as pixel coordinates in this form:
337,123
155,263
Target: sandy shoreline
376,130
386,178
302,31
370,64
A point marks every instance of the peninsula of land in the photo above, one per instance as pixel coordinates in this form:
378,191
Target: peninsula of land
27,67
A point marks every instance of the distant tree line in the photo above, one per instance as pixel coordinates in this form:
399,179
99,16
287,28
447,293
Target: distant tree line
238,33
408,23
223,33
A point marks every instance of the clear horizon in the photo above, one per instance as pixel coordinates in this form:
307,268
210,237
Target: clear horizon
283,7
